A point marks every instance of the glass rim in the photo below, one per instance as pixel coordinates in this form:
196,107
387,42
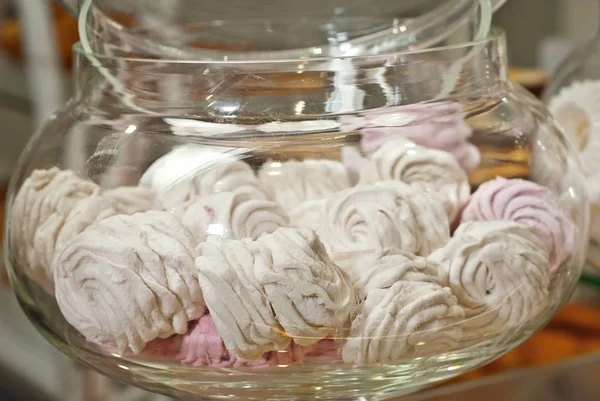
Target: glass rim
496,34
73,8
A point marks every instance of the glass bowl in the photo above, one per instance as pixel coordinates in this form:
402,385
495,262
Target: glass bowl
296,229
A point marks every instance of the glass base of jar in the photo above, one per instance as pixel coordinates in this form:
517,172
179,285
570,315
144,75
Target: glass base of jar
314,379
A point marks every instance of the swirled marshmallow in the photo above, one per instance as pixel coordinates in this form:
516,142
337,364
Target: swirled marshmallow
231,215
369,218
202,172
203,346
131,200
43,202
429,170
263,293
237,301
51,237
184,162
293,182
527,203
383,269
409,318
58,230
129,279
310,295
498,271
438,126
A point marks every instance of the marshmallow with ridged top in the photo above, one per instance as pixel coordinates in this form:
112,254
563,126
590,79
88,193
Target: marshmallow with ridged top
405,319
55,205
433,125
498,270
263,293
527,203
131,200
293,182
310,295
236,176
231,215
433,171
37,213
383,269
128,280
236,299
370,218
193,171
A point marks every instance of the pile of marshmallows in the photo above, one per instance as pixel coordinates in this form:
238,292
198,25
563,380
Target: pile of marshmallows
233,268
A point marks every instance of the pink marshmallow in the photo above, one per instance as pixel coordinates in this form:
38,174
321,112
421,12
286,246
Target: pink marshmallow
436,126
527,203
203,346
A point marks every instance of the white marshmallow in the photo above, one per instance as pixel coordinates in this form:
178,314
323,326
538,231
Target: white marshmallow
38,211
433,171
263,293
498,270
231,215
129,279
293,182
407,319
369,218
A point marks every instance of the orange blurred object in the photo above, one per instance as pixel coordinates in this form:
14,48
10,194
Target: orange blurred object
575,331
66,32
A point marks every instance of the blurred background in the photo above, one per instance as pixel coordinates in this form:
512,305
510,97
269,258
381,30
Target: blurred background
540,34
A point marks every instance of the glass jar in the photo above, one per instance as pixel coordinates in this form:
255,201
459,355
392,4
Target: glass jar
296,229
571,96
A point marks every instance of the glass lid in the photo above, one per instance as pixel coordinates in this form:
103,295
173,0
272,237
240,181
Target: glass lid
206,29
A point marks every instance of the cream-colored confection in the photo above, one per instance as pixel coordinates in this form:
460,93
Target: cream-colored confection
383,269
58,229
63,205
406,319
263,293
370,218
433,171
293,182
128,280
184,162
575,109
235,176
237,301
231,215
310,295
498,270
131,200
44,201
190,171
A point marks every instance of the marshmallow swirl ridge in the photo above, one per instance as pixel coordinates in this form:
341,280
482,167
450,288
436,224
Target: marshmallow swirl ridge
407,319
228,176
38,212
129,279
232,215
527,203
498,271
432,171
310,295
293,182
373,217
